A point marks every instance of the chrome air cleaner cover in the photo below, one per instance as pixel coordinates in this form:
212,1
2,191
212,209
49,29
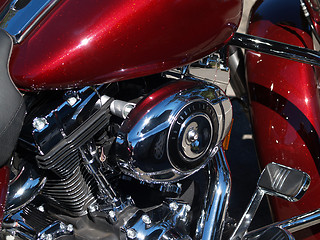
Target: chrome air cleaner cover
173,132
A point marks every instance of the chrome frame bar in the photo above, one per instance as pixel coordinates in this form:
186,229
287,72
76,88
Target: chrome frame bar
211,223
291,52
248,215
293,225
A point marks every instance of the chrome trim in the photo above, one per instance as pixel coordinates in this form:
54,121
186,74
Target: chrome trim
24,187
19,22
275,180
166,221
298,223
19,228
293,225
278,49
248,215
144,143
211,223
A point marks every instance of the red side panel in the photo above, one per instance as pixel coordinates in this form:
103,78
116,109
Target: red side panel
91,42
285,103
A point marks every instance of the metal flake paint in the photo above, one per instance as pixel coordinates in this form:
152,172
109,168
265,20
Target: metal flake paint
84,43
285,103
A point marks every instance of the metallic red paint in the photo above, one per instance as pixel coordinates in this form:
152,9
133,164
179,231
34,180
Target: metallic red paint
155,98
84,43
286,117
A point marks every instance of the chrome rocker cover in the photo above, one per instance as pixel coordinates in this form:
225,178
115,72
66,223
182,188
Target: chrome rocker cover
173,132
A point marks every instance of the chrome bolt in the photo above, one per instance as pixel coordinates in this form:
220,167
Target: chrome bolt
63,226
188,208
92,208
46,236
41,208
39,123
72,101
112,214
173,206
146,219
131,233
9,237
70,228
193,135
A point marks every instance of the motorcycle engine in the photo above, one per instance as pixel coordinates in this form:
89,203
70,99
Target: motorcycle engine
89,163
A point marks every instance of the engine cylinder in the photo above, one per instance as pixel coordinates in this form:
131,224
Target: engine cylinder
173,132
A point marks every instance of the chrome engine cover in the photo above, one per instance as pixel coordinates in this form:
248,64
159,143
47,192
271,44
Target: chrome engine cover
173,132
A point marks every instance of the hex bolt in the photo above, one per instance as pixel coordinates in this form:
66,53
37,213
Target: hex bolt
46,236
39,123
92,208
188,208
70,228
41,208
72,101
112,216
173,206
9,237
63,226
146,219
131,233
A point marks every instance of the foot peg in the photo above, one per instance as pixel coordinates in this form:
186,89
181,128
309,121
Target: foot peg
275,180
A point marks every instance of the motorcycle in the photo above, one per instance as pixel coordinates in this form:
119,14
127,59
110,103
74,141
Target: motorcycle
106,134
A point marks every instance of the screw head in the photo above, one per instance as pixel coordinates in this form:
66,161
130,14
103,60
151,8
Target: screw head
72,101
188,208
39,123
9,237
92,208
63,226
146,219
131,233
41,208
173,206
112,214
70,228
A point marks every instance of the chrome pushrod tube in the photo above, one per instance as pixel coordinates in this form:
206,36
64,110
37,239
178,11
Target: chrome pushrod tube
291,52
293,225
211,223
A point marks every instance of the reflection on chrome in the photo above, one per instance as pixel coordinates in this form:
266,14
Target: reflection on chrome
19,17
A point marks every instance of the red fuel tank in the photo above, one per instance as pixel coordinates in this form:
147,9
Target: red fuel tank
92,42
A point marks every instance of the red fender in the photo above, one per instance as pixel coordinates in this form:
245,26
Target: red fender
285,102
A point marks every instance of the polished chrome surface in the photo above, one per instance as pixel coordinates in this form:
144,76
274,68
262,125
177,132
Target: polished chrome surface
91,162
167,221
33,222
19,17
293,225
248,215
121,108
24,187
301,222
279,49
195,136
211,223
276,233
276,180
285,182
176,137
